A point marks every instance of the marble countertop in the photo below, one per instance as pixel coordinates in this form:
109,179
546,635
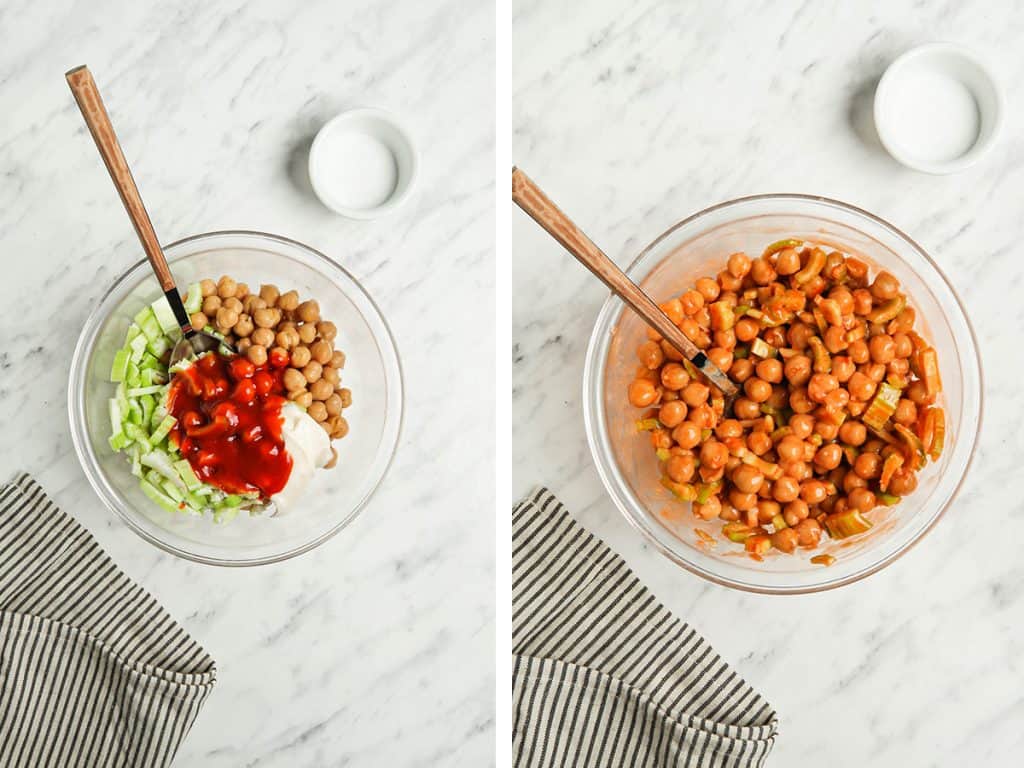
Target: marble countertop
377,648
633,115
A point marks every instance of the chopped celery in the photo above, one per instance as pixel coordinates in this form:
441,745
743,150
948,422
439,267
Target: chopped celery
159,345
138,347
136,460
118,441
225,515
140,391
149,325
164,314
159,461
119,367
193,299
164,428
234,500
149,362
137,435
148,404
133,331
131,376
116,417
158,496
187,475
172,490
134,412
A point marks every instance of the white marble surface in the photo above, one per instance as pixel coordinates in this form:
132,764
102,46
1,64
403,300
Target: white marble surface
377,648
634,114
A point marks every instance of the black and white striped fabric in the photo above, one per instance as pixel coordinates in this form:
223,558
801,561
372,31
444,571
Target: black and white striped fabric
93,672
603,675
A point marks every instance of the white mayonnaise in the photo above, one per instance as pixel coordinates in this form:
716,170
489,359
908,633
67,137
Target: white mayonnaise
309,448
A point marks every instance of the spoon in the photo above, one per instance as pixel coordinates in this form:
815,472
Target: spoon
193,341
539,207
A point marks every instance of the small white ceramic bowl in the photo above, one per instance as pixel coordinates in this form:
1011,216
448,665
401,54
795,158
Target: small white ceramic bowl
363,163
938,108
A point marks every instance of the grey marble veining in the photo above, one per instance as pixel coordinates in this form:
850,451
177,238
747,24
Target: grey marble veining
377,648
634,115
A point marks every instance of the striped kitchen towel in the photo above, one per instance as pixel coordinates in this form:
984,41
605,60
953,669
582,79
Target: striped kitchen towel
603,675
93,672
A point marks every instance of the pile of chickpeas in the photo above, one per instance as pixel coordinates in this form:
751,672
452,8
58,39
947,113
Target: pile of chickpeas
276,326
795,453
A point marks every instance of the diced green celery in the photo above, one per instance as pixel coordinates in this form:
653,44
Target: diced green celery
163,429
187,475
158,496
134,412
149,324
138,347
148,405
164,314
159,461
137,435
140,391
233,500
119,441
194,299
159,414
225,515
204,490
159,345
116,417
120,365
136,460
133,331
131,376
172,490
148,361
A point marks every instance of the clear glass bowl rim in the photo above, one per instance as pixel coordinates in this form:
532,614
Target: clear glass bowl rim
90,464
594,423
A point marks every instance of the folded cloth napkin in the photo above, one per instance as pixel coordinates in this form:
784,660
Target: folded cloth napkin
603,675
93,672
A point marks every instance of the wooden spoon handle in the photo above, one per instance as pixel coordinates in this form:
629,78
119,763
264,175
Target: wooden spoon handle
539,207
89,102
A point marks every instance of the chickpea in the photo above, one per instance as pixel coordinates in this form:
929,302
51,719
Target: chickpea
885,287
244,326
808,532
671,414
691,302
309,311
346,397
837,399
785,490
776,337
269,293
795,511
787,261
263,336
709,510
842,368
673,375
759,442
790,448
312,371
300,357
232,303
863,302
722,358
322,352
858,351
799,335
767,509
743,502
882,348
207,287
900,366
828,430
713,455
835,339
681,467
243,345
761,271
741,370
779,398
265,318
861,387
853,433
703,416
729,428
294,380
820,385
642,392
687,435
746,329
649,352
874,371
785,540
307,333
257,354
210,305
738,265
801,426
287,338
798,470
333,404
770,370
226,318
340,428
317,410
708,288
917,393
745,408
798,370
198,320
226,287
695,394
813,492
673,308
843,298
301,397
906,412
868,465
799,401
322,389
747,479
862,499
288,301
757,389
828,456
903,482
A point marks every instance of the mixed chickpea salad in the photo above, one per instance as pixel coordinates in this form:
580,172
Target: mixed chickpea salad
225,433
839,403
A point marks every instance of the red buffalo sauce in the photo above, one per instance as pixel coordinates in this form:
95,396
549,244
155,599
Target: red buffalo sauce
229,423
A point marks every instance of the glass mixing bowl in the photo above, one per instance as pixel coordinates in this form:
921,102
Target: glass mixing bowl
699,246
372,371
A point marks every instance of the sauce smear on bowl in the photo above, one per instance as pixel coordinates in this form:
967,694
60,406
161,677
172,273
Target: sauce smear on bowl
229,424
